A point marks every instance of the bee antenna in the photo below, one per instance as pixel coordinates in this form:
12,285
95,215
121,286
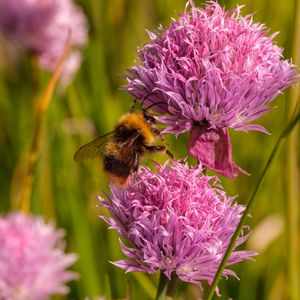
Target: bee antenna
146,97
153,104
142,101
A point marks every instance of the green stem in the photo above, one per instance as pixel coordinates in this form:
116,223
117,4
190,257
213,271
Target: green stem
292,177
166,287
162,287
286,131
171,290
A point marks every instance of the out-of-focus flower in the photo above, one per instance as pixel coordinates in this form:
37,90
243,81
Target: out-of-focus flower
176,220
210,70
32,259
41,27
266,232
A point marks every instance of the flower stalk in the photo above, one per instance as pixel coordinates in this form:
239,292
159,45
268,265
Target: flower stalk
32,158
162,287
166,287
292,176
285,132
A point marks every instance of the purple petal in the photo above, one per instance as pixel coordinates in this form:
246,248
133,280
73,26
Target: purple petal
213,149
177,220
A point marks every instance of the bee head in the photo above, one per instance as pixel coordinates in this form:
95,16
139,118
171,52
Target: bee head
147,116
149,119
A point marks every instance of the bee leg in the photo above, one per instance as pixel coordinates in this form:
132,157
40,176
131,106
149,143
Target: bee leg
136,167
168,152
157,133
160,149
183,160
133,106
155,148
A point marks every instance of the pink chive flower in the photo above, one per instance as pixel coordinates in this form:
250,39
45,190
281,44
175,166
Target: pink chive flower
210,70
41,27
176,220
32,259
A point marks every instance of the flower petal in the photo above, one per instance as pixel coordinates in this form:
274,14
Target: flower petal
213,149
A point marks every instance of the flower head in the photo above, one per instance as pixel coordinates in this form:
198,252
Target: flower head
176,220
210,70
41,27
32,259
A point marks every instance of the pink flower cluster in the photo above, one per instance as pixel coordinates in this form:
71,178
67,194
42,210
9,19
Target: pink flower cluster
176,220
210,70
32,259
41,27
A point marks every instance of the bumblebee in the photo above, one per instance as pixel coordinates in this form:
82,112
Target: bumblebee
133,137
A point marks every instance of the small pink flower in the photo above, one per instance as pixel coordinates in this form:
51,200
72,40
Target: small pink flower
41,27
176,220
210,70
32,259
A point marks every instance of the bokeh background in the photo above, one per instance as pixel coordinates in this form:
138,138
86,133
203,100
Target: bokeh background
66,191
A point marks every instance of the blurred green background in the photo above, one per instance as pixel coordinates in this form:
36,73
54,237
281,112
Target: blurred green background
90,106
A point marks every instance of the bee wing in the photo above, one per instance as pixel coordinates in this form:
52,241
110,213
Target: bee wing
93,148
